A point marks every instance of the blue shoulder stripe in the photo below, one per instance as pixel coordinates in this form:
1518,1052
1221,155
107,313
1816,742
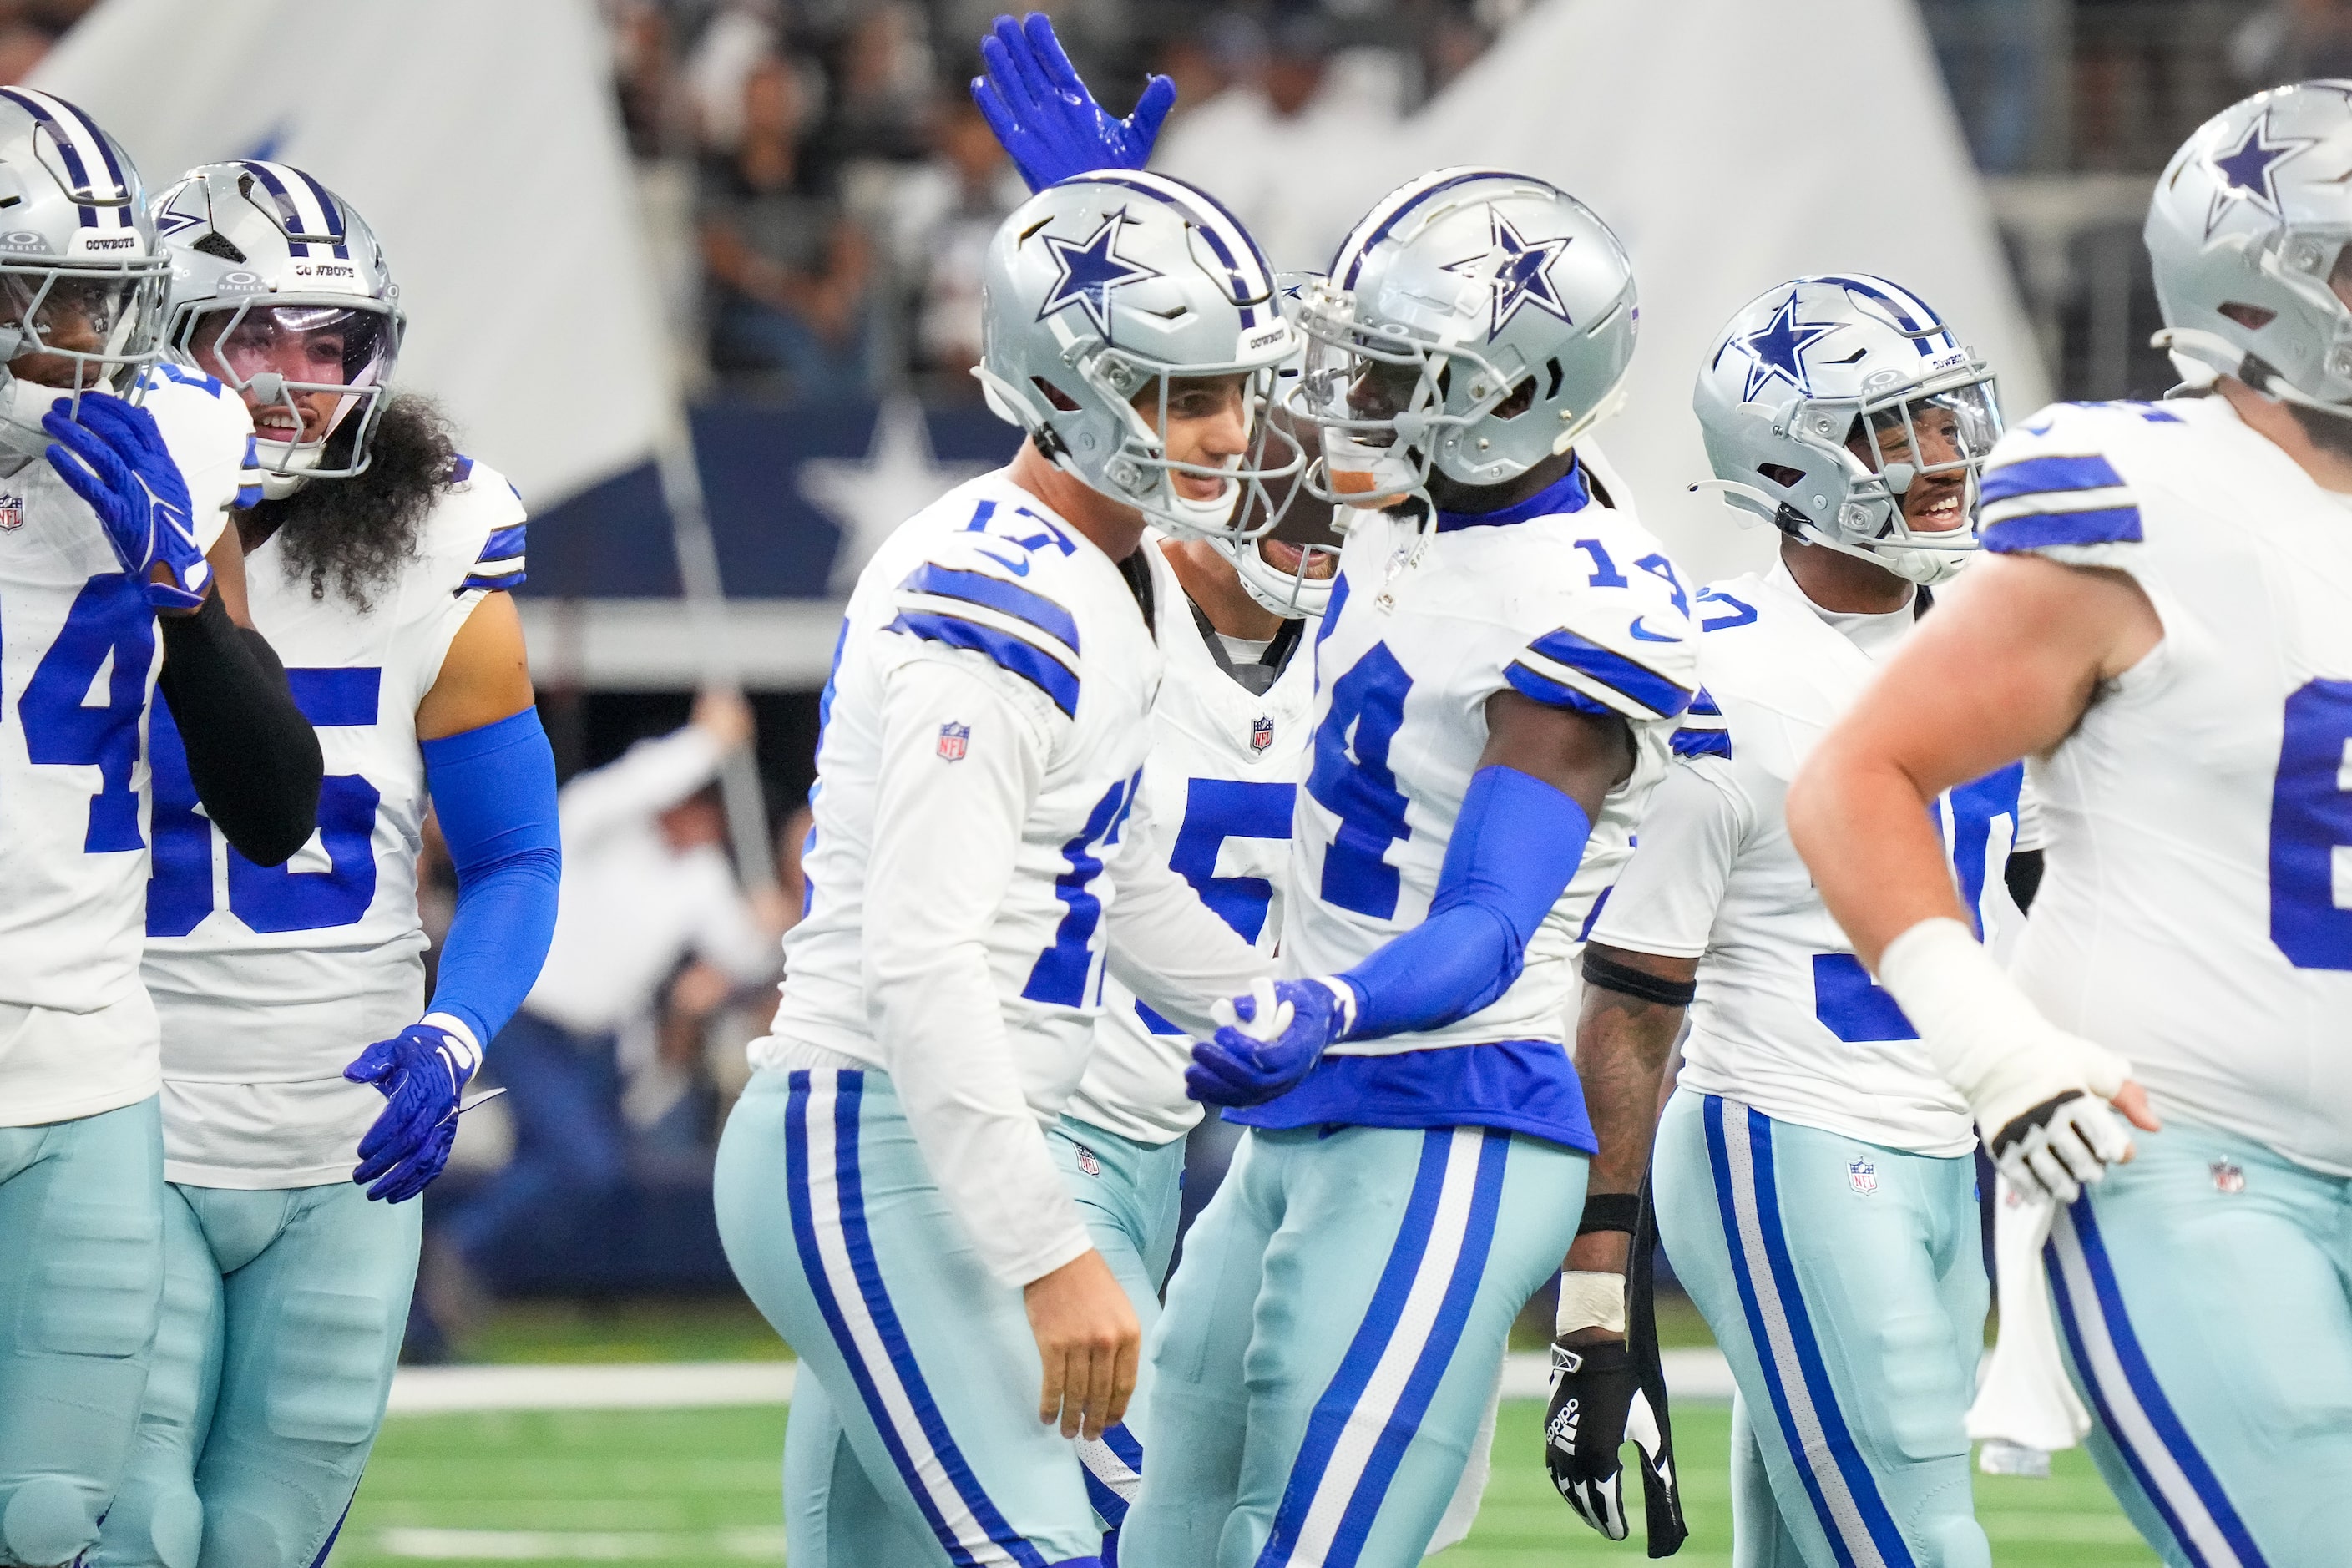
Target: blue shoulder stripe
503,582
1704,705
461,469
1552,693
1039,669
1615,670
504,543
2042,476
995,594
1701,743
2042,530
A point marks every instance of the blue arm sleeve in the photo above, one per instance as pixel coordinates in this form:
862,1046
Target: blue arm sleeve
1516,845
494,789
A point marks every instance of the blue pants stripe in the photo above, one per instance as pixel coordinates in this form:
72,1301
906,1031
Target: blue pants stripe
2175,1475
1445,1234
1861,1531
808,1112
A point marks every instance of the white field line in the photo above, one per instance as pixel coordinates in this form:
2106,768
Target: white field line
1698,1375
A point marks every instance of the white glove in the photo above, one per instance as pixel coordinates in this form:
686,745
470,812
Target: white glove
2039,1094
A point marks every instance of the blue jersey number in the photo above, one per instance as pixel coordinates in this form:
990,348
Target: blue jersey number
1851,1005
1215,811
1059,975
268,898
2311,829
1351,778
110,619
1975,808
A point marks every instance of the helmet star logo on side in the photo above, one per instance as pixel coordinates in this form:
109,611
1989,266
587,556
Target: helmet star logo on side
1517,271
1774,350
2249,170
1091,268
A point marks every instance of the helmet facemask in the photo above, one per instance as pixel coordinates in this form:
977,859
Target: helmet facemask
315,372
65,330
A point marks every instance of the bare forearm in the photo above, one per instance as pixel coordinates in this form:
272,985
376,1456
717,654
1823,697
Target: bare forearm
1622,1044
1863,828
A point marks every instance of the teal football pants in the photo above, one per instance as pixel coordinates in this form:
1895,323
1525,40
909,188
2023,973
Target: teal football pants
82,1276
1130,1195
2204,1297
838,1233
283,1309
1332,1337
1845,1282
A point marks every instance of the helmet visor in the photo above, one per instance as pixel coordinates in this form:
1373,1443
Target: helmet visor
303,368
77,332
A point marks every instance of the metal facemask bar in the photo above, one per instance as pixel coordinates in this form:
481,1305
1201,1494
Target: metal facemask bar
1339,349
122,300
363,393
1145,475
1968,395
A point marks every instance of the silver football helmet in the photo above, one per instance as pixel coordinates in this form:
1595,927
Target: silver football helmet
1829,403
1475,323
1098,294
82,277
280,289
2248,225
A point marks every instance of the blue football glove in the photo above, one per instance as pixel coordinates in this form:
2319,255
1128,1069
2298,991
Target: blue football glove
113,456
421,1072
1044,114
1268,1040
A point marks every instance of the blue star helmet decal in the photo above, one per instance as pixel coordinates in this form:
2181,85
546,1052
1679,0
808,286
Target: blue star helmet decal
1090,271
1517,270
2249,170
1773,350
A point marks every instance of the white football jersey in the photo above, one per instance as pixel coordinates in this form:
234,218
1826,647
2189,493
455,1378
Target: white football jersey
78,654
1787,1020
1219,790
269,979
1577,608
989,579
2196,914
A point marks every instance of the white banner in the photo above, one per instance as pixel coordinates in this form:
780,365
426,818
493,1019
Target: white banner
1732,144
479,140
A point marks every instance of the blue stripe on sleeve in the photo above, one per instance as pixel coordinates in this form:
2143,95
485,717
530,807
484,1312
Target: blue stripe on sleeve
1039,669
504,542
2040,529
1551,693
996,593
1703,706
2042,475
1615,670
1701,743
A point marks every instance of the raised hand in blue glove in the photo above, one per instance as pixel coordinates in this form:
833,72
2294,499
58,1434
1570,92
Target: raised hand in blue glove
1269,1039
421,1072
1045,117
113,456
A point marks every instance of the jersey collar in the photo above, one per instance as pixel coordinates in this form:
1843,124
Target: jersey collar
1566,494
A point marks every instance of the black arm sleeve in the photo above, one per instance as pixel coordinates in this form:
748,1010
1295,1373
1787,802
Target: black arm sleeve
252,756
2024,875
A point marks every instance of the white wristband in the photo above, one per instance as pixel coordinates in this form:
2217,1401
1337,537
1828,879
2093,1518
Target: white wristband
1982,1033
1590,1300
469,1049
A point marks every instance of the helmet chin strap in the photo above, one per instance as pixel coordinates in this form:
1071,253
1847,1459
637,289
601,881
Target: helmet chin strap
2221,357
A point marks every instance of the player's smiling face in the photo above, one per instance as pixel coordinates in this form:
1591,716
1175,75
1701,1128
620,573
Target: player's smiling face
299,345
1208,426
1936,501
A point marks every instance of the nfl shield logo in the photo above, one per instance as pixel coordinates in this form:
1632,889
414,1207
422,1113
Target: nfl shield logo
1088,1163
952,737
2228,1177
1261,735
1862,1175
12,513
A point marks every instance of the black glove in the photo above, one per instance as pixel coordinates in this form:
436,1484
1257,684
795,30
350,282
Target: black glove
1605,1394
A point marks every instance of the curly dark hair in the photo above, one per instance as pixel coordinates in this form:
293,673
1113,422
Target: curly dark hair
359,531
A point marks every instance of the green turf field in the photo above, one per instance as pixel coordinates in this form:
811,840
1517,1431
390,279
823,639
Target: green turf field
700,1486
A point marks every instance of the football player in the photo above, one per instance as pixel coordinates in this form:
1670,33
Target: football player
2161,630
1505,656
117,543
379,564
1814,1178
984,731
